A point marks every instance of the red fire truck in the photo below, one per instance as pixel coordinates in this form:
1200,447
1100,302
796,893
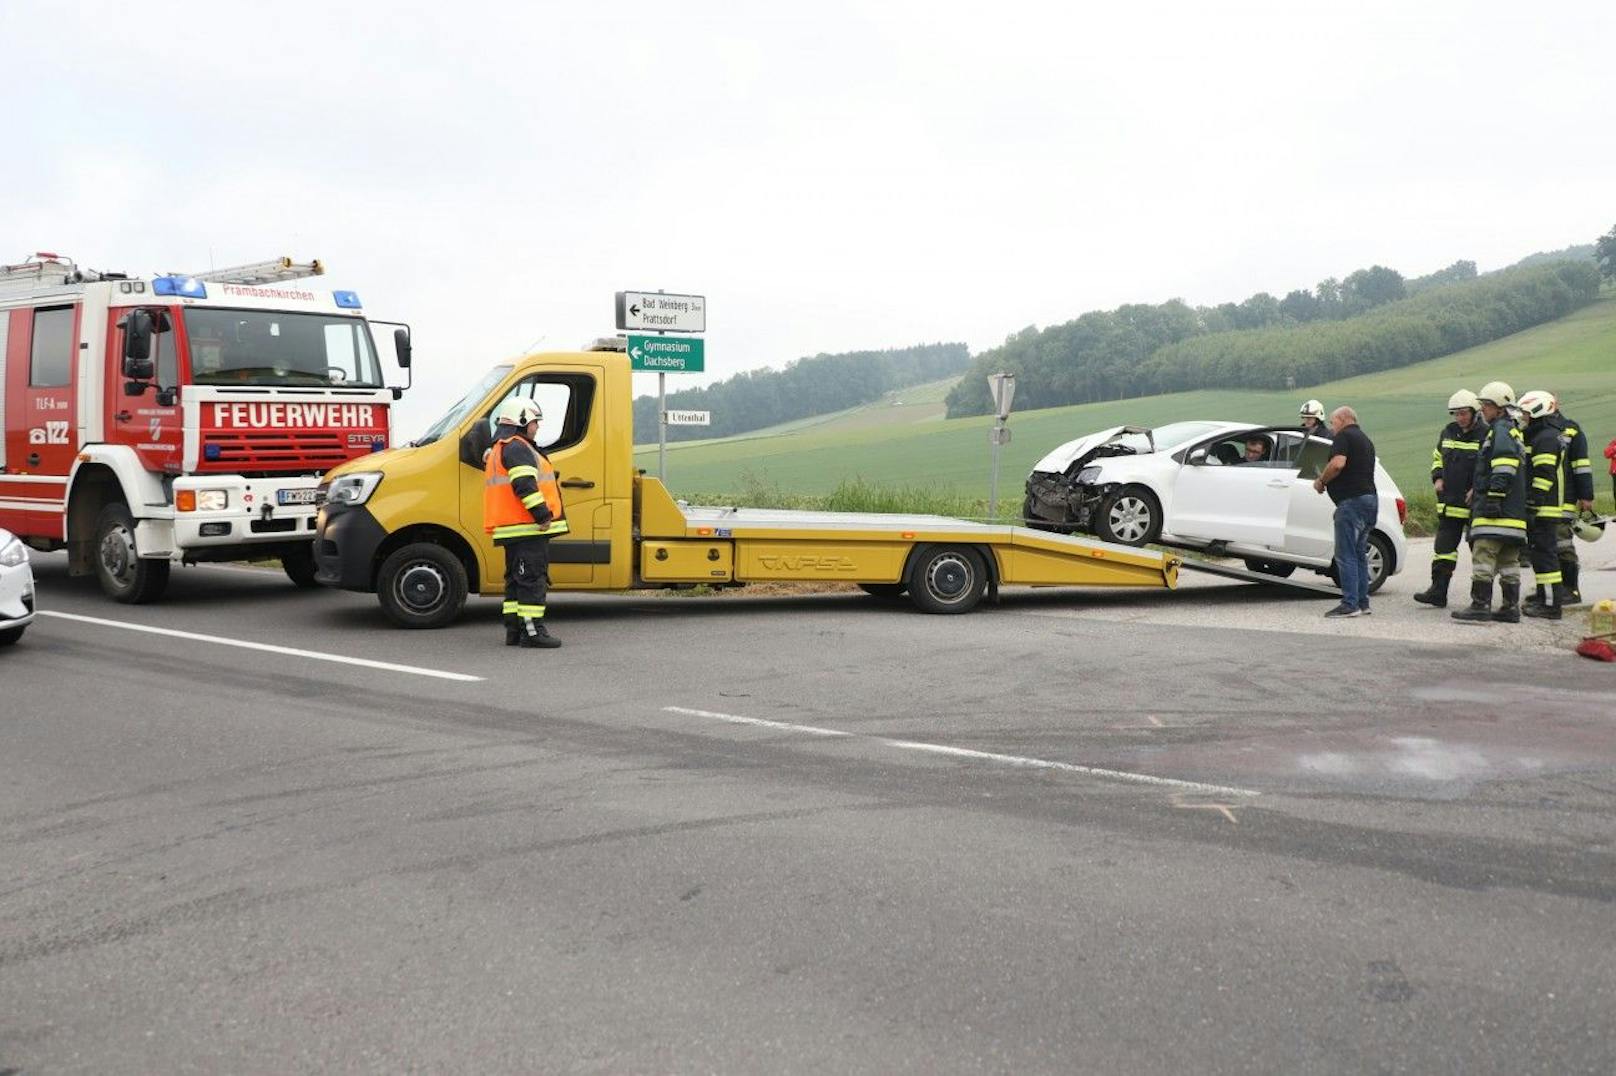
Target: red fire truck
183,417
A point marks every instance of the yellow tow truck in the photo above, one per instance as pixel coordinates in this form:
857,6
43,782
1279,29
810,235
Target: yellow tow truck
406,524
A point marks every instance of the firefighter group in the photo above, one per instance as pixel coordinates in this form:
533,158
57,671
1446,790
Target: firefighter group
1512,475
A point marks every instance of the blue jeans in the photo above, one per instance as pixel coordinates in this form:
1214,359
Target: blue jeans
1354,517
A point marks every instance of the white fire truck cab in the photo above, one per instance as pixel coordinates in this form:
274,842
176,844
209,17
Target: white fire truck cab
180,417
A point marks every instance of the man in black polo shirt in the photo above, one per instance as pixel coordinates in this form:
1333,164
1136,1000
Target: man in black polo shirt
1349,478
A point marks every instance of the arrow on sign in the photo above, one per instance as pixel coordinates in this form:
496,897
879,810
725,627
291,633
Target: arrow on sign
635,352
635,310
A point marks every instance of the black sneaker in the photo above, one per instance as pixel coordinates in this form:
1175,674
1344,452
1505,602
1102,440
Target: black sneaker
1343,611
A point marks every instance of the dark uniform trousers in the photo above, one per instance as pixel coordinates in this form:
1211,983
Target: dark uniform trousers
527,576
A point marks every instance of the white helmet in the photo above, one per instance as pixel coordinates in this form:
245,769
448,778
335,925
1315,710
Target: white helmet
517,411
1588,527
1536,404
1463,398
1313,409
1497,393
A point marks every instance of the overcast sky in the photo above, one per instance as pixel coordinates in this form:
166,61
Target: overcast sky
831,176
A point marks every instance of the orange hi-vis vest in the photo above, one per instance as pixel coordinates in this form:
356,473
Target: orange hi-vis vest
505,515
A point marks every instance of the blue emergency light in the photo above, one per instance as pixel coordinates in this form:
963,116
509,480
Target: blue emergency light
212,452
185,287
348,300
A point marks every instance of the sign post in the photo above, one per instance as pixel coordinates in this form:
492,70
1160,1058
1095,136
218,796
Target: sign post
660,312
1003,387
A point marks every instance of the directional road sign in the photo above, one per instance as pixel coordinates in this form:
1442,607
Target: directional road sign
690,418
666,354
661,312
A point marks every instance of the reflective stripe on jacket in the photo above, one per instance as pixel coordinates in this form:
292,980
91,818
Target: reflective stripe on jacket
1453,460
1546,495
1579,469
1500,480
518,486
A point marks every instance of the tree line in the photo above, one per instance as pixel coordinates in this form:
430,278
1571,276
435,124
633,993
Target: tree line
809,386
1373,319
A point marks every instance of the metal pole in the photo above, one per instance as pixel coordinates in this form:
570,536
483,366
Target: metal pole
662,427
993,489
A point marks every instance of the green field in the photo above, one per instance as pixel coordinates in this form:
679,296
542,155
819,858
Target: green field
900,407
908,445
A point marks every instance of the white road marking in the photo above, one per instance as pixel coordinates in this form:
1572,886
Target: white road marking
763,723
966,752
268,648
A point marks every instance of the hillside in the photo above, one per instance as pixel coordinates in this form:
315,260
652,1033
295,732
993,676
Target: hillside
1402,410
805,390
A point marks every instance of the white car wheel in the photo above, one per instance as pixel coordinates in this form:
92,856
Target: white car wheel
1130,516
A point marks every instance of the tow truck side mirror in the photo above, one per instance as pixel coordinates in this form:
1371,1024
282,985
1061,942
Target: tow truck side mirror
137,341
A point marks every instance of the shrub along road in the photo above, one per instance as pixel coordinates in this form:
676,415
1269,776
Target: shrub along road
792,834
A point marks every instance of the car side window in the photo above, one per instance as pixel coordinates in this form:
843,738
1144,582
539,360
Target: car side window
1288,451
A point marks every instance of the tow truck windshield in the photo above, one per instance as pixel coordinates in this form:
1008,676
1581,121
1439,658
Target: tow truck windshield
462,407
271,347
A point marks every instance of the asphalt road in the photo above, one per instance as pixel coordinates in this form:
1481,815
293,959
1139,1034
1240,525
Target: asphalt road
812,834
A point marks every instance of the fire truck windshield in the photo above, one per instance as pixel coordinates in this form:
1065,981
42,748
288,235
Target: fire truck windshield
272,347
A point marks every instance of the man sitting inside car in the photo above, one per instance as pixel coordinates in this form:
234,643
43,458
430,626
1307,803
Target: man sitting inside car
1256,450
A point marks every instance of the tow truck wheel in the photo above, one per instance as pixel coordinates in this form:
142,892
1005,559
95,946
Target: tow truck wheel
300,566
1130,516
422,585
947,579
125,576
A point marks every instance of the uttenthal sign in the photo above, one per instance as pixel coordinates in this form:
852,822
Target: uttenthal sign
690,418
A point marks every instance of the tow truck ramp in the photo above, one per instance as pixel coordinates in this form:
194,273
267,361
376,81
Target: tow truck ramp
1228,571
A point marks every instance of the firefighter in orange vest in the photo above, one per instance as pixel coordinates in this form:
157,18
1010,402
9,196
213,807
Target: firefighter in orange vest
522,510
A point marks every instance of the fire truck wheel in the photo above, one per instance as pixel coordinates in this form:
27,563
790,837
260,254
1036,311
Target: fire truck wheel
300,566
946,579
422,585
125,576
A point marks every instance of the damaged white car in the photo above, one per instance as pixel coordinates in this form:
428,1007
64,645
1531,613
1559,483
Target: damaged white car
1223,488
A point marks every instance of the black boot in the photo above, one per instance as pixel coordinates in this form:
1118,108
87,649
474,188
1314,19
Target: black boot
1481,602
513,629
1437,596
534,637
1509,609
1568,572
1547,606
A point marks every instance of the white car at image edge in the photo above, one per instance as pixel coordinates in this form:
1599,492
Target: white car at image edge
1225,488
16,589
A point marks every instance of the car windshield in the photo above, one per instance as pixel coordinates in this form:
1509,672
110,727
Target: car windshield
272,347
462,407
1173,434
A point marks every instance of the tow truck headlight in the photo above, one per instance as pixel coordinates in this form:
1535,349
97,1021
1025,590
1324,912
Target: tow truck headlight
353,488
13,554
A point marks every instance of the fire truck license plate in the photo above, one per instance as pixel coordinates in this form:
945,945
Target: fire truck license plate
295,496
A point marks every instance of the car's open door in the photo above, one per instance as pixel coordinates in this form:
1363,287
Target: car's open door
1217,498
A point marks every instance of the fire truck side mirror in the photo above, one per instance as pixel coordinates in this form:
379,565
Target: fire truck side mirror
401,343
137,340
